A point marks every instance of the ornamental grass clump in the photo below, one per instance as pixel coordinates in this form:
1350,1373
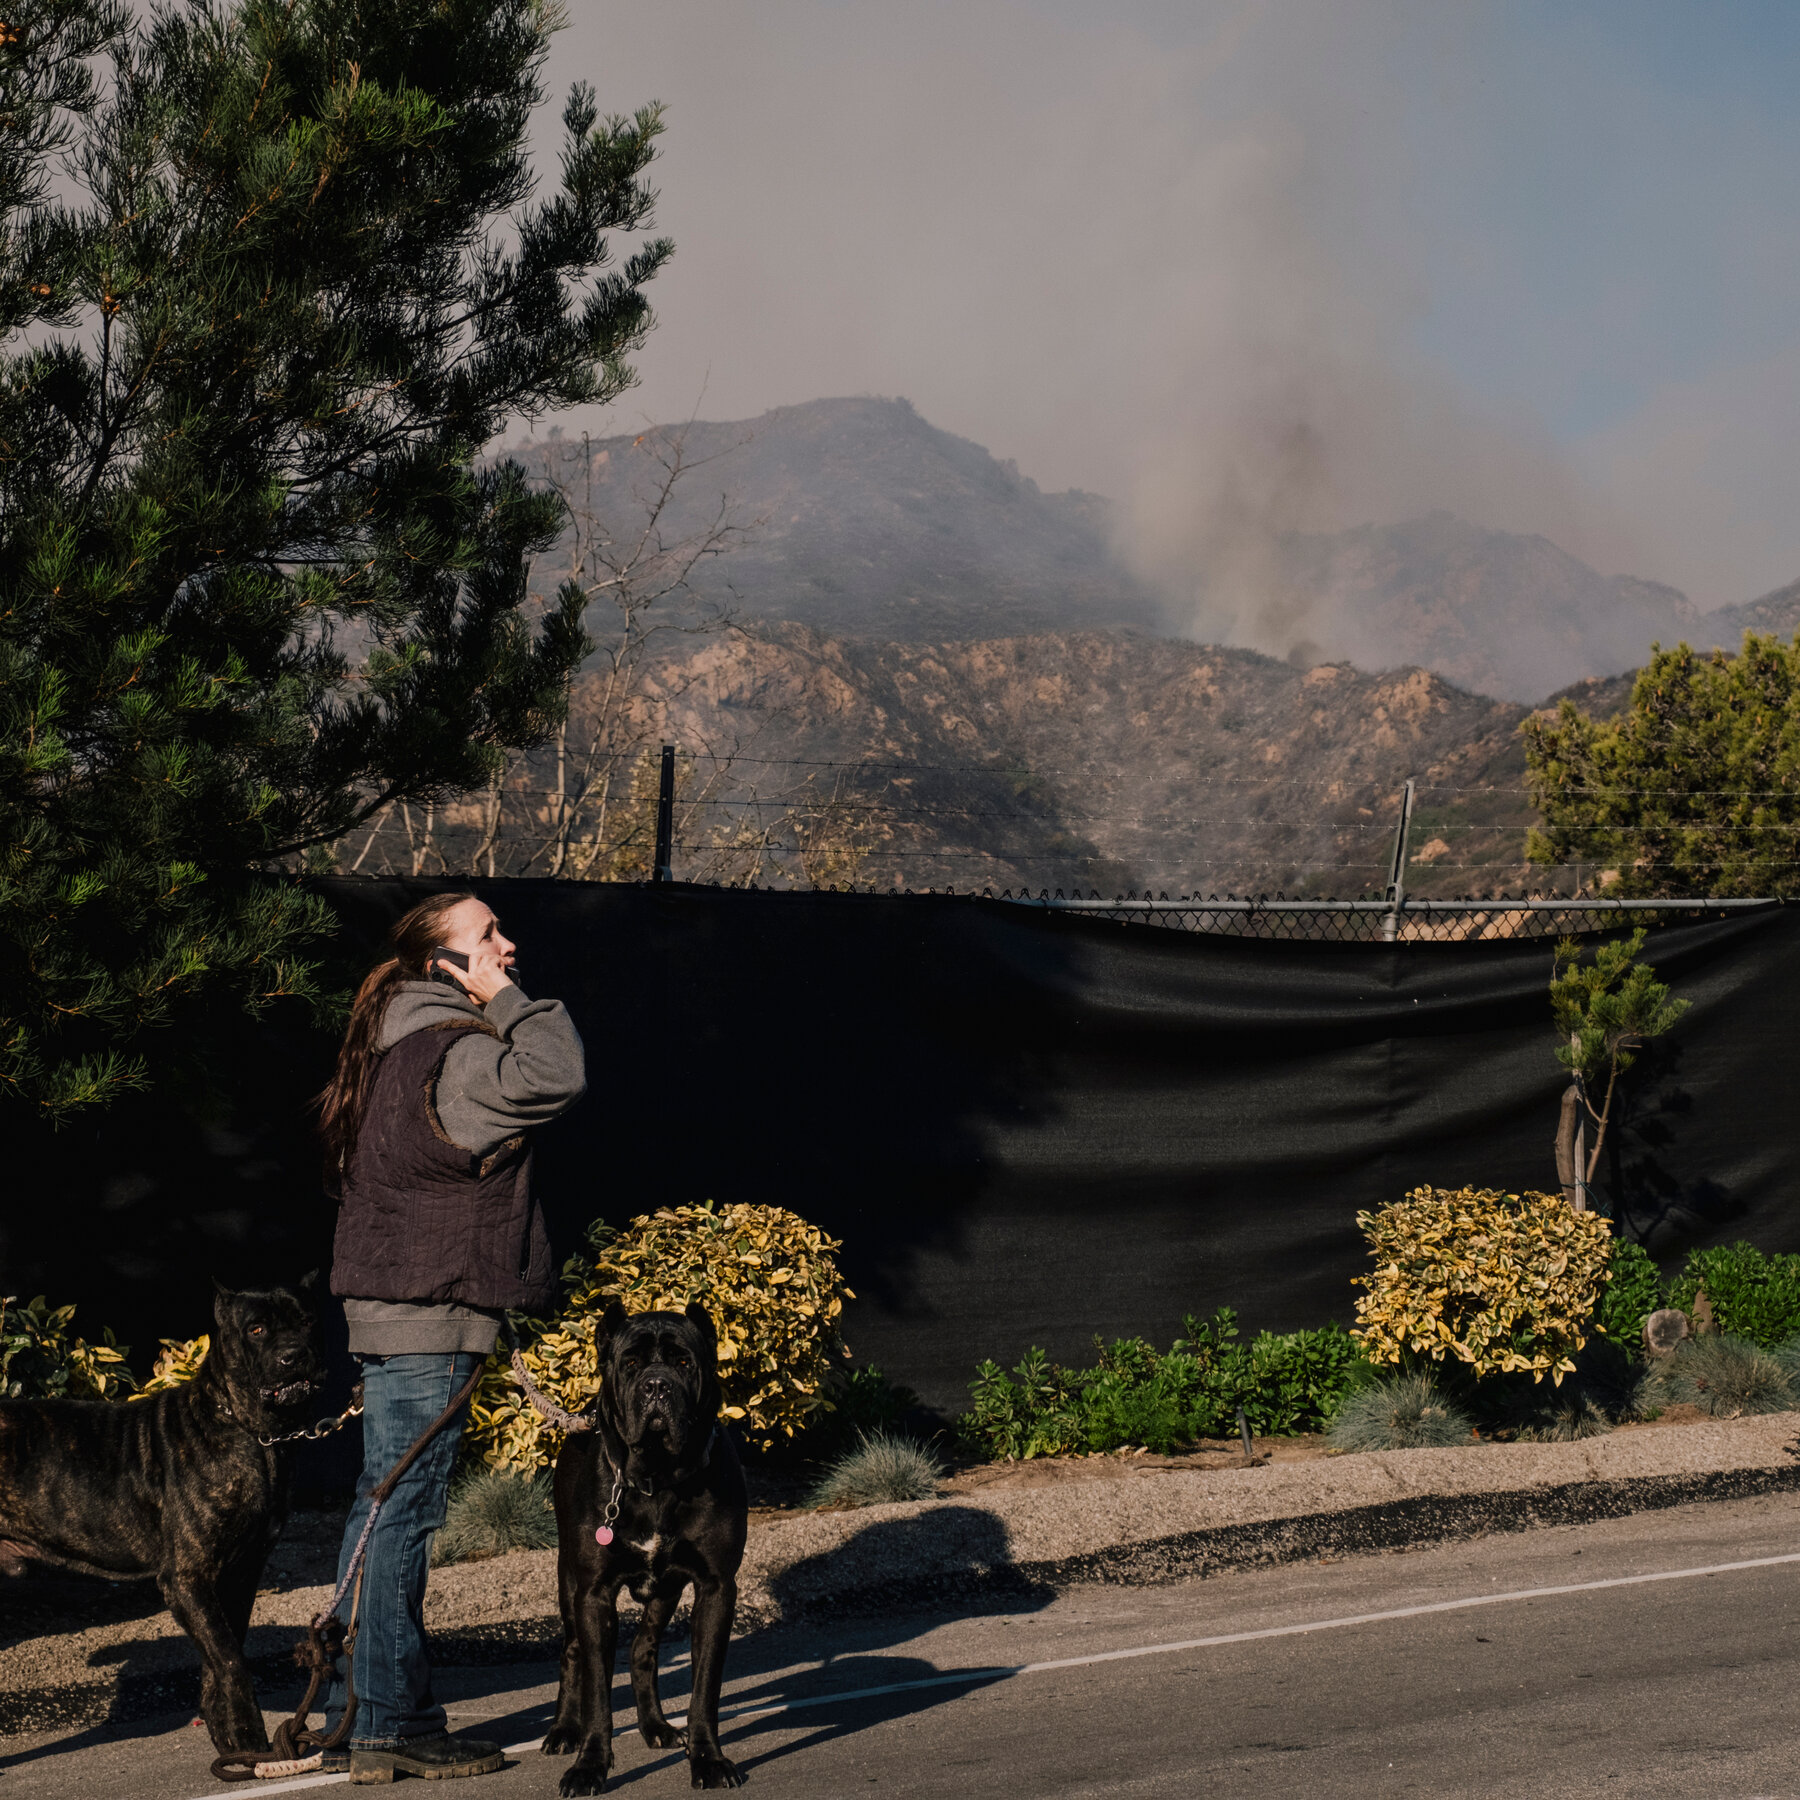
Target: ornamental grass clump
1504,1283
884,1467
1405,1412
492,1511
1563,1418
1727,1377
768,1279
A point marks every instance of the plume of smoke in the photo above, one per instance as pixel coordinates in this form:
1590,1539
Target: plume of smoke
1173,264
1285,398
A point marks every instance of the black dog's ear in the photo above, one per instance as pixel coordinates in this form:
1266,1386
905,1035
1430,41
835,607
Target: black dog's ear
613,1320
701,1320
306,1284
222,1299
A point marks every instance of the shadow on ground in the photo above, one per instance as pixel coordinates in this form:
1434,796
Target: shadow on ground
953,1564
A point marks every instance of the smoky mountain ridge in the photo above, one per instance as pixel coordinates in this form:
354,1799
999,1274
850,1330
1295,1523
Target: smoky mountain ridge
861,519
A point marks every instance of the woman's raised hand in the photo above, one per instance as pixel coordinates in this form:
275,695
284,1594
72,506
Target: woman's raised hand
485,976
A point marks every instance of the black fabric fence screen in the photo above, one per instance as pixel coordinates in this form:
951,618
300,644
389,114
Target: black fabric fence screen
1028,1128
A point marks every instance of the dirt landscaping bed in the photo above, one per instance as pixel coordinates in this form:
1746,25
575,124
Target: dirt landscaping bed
76,1652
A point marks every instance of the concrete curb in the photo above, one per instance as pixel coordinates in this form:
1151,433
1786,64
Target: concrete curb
1176,1525
1411,1524
1414,1523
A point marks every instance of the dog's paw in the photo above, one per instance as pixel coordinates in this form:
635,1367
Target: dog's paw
562,1740
716,1772
659,1734
582,1779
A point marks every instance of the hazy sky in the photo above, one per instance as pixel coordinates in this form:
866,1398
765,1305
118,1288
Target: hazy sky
1252,266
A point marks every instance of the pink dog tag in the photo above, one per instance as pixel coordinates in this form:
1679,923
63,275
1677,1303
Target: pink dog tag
602,1534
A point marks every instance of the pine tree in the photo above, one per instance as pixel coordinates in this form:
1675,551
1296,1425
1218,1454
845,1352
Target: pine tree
271,277
1607,1005
1693,790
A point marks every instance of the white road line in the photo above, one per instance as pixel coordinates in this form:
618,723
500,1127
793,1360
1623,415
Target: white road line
1007,1671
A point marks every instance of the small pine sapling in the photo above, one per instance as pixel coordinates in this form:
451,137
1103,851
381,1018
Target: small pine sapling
1606,1008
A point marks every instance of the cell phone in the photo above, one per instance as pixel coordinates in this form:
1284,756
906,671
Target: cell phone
443,953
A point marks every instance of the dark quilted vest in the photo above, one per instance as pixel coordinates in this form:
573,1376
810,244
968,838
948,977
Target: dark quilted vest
422,1219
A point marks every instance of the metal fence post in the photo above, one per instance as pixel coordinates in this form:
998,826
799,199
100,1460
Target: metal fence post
665,817
1396,889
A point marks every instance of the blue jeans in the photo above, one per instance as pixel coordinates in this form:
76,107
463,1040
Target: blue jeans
401,1396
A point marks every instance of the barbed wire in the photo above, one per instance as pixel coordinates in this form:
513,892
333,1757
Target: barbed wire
1433,787
1383,827
1017,854
888,809
880,853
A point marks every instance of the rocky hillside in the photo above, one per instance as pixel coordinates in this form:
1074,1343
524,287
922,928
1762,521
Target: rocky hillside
1778,612
1109,760
860,518
1099,760
940,676
1491,611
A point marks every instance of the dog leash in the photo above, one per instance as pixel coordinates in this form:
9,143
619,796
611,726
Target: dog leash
545,1407
323,1428
297,1747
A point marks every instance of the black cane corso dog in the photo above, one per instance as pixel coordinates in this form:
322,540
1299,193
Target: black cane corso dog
177,1486
651,1499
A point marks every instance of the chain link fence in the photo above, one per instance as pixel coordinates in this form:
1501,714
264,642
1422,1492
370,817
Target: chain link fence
1386,921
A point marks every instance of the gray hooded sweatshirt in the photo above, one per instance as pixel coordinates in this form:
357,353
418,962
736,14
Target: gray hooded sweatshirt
489,1089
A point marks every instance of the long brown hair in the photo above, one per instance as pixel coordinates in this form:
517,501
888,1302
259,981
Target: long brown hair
414,935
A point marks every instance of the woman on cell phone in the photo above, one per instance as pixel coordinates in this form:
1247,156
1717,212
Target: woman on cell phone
445,1068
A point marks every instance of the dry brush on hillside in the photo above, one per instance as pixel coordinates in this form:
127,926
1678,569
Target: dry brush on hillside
1104,760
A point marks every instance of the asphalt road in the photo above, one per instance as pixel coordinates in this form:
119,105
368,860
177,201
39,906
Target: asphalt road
1577,1661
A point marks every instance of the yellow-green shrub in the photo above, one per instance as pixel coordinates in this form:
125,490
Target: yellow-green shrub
768,1278
176,1362
1503,1282
41,1359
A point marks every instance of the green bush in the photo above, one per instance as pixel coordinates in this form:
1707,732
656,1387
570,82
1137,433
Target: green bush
1031,1412
1633,1293
1753,1296
1297,1381
1136,1395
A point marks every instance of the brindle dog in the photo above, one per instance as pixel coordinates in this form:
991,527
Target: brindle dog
651,1499
178,1486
